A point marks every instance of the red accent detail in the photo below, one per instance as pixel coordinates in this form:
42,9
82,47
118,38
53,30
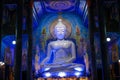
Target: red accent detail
31,3
88,3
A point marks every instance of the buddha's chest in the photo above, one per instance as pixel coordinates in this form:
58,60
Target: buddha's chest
61,45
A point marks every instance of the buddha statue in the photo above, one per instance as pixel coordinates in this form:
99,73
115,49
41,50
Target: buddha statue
63,53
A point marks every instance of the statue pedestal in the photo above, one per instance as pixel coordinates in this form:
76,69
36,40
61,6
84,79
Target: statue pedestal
69,78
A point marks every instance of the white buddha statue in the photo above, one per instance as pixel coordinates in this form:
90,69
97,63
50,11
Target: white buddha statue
63,52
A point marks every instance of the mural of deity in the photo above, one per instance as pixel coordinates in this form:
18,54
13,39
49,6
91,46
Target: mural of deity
37,58
8,56
24,59
114,51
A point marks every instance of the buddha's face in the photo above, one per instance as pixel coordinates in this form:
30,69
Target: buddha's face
60,32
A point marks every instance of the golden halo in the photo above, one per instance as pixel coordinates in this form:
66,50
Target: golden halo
65,22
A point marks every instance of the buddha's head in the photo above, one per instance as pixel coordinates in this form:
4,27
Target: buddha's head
60,30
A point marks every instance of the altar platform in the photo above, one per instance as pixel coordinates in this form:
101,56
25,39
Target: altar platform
69,78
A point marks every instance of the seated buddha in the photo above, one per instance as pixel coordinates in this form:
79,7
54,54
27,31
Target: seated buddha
62,53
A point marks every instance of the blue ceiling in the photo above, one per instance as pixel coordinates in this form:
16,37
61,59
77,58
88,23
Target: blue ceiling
52,6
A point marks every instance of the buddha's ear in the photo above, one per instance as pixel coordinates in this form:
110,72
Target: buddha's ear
54,34
66,32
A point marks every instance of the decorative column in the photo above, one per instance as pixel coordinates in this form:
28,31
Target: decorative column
1,17
119,30
103,44
29,32
91,9
119,17
18,52
119,13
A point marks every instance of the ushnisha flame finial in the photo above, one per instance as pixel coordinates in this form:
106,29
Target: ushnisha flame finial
60,25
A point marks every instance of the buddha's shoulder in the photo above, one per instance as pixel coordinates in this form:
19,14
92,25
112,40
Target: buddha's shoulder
52,42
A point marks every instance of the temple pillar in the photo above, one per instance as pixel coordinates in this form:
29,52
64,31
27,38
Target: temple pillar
119,16
103,43
29,32
118,71
91,15
18,52
1,17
